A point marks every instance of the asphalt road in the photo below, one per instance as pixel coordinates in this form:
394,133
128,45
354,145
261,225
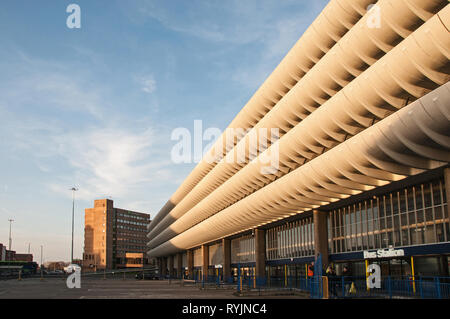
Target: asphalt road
96,288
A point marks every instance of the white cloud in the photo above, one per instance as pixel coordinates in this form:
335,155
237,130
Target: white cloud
111,162
148,84
39,84
72,133
43,168
232,21
274,26
107,160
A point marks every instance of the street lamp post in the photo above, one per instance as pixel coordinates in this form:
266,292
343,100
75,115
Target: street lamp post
10,238
42,262
73,189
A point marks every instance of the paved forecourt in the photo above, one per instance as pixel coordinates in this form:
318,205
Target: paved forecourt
94,288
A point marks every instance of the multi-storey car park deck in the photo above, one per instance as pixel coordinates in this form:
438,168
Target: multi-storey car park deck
363,111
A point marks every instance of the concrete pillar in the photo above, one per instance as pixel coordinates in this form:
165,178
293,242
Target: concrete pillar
321,235
164,266
179,265
190,262
260,253
444,259
226,246
170,259
159,261
205,263
444,265
447,189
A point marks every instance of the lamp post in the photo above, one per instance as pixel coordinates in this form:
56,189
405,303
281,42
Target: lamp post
73,189
10,238
42,262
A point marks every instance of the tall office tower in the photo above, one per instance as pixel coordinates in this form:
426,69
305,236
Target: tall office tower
114,237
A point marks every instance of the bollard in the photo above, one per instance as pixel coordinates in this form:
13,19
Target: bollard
367,274
413,275
285,275
325,292
20,275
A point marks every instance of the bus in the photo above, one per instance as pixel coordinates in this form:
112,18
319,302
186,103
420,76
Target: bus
12,268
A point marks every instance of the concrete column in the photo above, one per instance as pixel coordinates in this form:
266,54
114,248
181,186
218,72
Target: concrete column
260,253
159,261
444,265
205,263
164,266
190,262
321,235
170,259
444,259
179,265
447,189
226,246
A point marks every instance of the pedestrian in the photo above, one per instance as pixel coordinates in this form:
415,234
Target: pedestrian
347,279
331,275
310,275
329,271
352,290
311,270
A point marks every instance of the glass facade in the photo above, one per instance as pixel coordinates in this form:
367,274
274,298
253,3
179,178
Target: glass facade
243,249
215,254
198,258
184,260
295,239
431,265
400,267
412,216
293,272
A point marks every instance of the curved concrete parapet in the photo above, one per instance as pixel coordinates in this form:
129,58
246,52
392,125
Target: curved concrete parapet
334,21
359,48
376,93
411,140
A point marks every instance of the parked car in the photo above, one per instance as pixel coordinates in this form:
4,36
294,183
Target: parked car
148,276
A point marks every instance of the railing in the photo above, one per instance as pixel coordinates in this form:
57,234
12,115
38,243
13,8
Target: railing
390,287
147,273
339,286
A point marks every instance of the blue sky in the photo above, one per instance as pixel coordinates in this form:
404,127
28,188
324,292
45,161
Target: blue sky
95,107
